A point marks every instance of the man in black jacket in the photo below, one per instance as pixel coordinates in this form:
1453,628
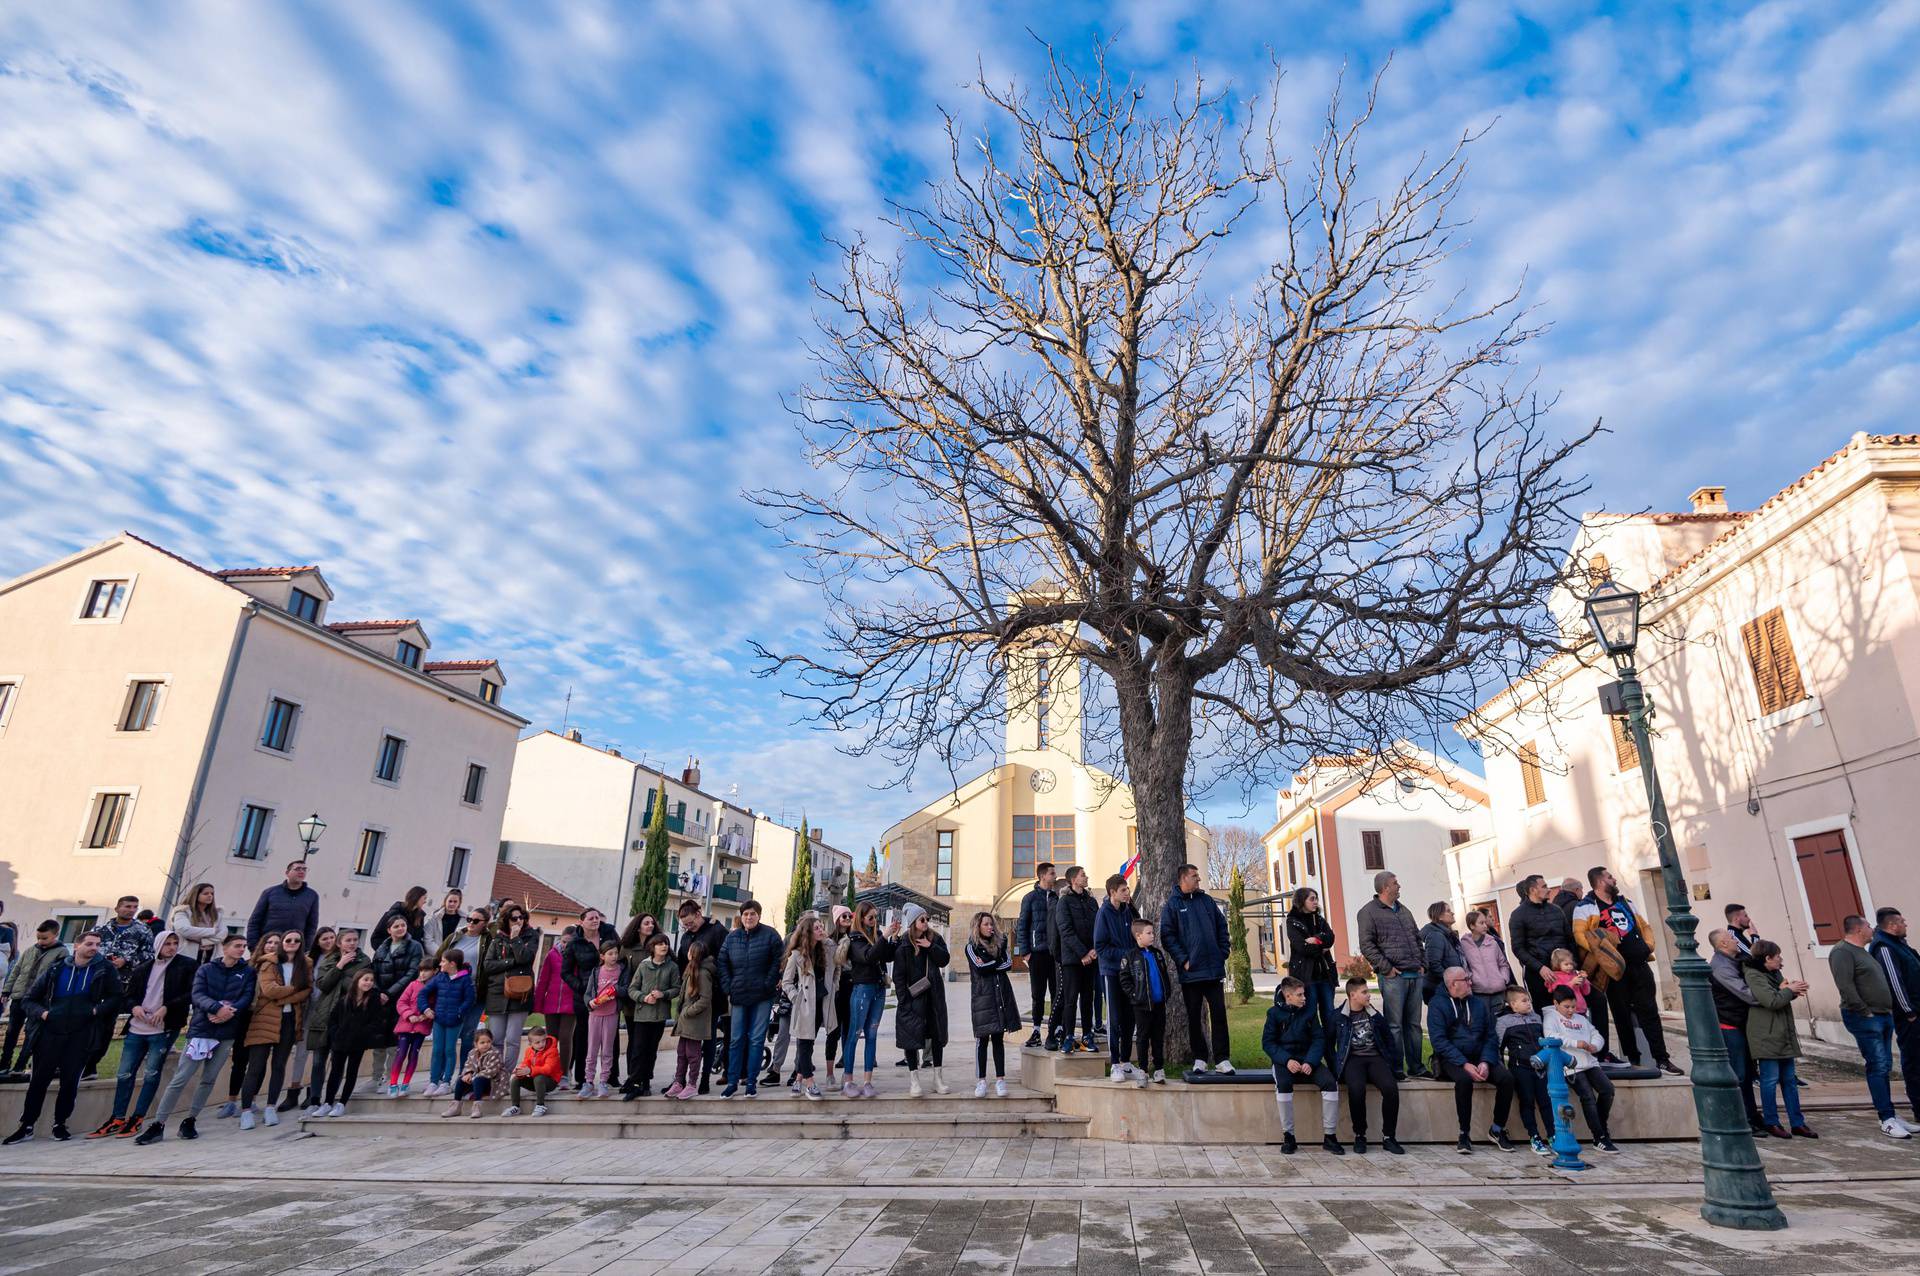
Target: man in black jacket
1033,939
1074,914
750,972
1534,929
68,1001
288,905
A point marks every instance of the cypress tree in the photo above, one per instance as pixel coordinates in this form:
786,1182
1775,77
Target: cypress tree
650,883
800,894
1239,965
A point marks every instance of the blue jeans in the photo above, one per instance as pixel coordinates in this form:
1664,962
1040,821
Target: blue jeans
869,1002
138,1049
446,1053
1742,1064
748,1043
1779,1073
1874,1033
1401,995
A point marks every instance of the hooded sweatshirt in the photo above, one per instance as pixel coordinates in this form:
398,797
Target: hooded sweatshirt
153,996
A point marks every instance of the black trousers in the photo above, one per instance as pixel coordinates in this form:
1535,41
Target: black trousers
1598,1017
1074,992
643,1047
842,1011
1371,1070
20,1032
1497,1076
1149,1035
1212,994
343,1069
1632,1002
1040,981
257,1060
1120,1028
997,1043
1594,1089
1536,1109
56,1056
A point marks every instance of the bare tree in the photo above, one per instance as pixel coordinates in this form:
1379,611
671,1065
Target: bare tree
1237,846
1137,391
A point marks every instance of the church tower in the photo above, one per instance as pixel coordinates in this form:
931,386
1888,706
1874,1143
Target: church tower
1044,706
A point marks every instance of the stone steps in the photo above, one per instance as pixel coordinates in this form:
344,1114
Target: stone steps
981,1119
765,1104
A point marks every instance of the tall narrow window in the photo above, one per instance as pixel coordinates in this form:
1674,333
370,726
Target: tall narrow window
943,863
7,692
1776,670
106,599
457,867
250,841
1373,855
477,783
407,653
1532,781
277,734
1313,867
142,699
107,825
304,605
1292,876
1042,700
489,691
367,862
392,750
1826,873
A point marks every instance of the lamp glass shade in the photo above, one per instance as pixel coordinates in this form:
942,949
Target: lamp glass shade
311,828
1613,613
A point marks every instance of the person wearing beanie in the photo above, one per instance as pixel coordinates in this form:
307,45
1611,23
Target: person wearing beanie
920,997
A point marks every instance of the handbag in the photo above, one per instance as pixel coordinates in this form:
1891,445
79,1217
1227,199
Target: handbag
918,988
517,986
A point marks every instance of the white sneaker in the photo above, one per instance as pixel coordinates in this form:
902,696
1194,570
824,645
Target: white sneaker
1159,1076
1895,1128
317,1111
510,1111
1000,1089
246,1118
337,1110
539,1109
980,1088
1223,1068
270,1116
1122,1073
1140,1079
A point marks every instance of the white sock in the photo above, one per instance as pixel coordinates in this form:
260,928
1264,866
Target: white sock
1286,1112
1329,1111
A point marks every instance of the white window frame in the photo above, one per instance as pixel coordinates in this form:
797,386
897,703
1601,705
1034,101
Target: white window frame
485,773
400,772
159,702
293,735
466,873
80,846
17,682
1811,707
379,860
1842,824
266,838
80,616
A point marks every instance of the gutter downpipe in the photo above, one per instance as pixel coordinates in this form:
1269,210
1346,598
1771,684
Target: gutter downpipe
179,865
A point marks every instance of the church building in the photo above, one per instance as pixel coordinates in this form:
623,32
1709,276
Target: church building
976,848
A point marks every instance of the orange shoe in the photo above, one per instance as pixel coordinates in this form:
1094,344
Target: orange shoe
131,1128
108,1129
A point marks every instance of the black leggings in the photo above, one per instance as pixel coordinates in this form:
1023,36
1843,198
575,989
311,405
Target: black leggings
259,1057
343,1069
998,1042
643,1048
1371,1070
803,1059
933,1056
842,1010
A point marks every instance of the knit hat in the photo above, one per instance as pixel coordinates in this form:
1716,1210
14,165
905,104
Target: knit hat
841,913
911,914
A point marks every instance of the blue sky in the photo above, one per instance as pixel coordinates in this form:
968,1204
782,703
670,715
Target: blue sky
490,309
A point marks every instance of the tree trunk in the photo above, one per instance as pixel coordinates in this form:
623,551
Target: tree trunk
1157,741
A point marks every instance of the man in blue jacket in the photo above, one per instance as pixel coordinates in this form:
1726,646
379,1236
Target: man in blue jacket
222,991
750,973
1113,941
1193,930
69,1001
1468,1053
1031,939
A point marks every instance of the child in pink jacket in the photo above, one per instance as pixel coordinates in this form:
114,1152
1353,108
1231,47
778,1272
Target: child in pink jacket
409,1030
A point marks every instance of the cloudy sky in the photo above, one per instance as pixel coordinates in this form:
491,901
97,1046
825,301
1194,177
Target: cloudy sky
490,309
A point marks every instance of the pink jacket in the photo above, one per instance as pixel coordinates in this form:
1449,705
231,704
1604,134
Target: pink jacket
407,1007
551,996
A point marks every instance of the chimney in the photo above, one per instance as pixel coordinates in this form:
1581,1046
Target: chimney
1709,500
573,734
813,835
615,752
691,775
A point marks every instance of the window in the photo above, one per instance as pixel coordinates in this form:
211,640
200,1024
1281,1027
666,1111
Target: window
8,690
407,653
1313,868
250,842
457,867
943,863
367,862
1041,839
1292,876
1776,672
1456,837
277,734
489,691
1826,873
1531,779
477,783
107,824
304,605
1492,909
142,699
1373,857
106,599
392,750
74,925
1625,756
1043,678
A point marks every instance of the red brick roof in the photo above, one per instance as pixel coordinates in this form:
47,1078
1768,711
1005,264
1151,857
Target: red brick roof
454,666
353,626
513,882
229,573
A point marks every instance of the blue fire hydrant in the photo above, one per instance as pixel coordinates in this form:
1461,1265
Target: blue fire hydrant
1566,1148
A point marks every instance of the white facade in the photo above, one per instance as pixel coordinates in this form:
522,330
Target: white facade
167,725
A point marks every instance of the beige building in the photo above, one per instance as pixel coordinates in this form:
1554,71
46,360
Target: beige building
1346,819
163,724
975,849
776,853
1780,648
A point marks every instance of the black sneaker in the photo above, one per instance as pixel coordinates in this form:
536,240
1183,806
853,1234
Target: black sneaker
1359,1146
772,1077
151,1135
188,1129
1606,1144
1392,1145
290,1102
1288,1144
1464,1146
22,1135
61,1133
1331,1144
1500,1139
1034,1040
1671,1068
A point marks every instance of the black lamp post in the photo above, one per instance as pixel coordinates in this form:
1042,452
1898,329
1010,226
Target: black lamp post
1737,1191
310,830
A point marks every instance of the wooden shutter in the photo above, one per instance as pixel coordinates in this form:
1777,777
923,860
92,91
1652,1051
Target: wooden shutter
1530,777
1375,857
1776,670
1625,756
1456,837
1826,872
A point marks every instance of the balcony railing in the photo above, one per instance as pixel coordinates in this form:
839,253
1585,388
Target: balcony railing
734,893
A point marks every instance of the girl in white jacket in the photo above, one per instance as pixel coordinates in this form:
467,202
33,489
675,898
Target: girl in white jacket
196,919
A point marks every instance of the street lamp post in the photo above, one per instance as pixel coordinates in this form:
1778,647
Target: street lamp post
1737,1191
310,830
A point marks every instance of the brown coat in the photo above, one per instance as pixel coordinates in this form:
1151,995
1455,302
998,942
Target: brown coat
270,993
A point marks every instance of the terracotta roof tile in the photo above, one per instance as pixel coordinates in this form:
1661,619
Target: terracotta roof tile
512,882
451,666
230,573
352,626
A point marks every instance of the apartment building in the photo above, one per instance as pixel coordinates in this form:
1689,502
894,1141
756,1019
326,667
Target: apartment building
164,724
776,850
1780,648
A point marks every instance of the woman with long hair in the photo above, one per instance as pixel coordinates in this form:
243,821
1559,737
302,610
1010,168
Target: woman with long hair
996,1010
323,944
283,983
447,922
920,998
809,979
507,972
410,909
553,1001
836,941
196,919
868,954
357,1019
1310,959
635,942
